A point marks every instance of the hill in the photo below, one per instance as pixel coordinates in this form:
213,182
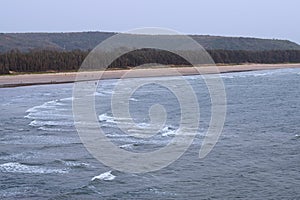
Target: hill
88,40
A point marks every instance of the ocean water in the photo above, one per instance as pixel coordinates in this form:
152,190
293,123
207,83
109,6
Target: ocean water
256,157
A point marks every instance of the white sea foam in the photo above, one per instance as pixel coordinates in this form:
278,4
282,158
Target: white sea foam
117,135
67,99
50,105
98,94
52,129
126,146
105,118
227,76
14,167
46,115
133,99
103,93
106,176
47,105
143,125
51,113
252,73
16,192
75,164
168,131
19,156
39,123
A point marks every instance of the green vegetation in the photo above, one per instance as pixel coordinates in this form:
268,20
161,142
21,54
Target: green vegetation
85,41
54,52
49,60
3,70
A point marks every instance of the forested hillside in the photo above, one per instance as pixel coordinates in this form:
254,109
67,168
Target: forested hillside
42,52
88,40
47,60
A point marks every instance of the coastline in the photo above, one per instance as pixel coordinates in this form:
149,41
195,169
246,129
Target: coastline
70,77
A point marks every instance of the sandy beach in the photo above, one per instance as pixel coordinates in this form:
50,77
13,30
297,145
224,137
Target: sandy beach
70,77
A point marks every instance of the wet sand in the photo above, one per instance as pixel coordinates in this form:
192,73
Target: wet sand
70,77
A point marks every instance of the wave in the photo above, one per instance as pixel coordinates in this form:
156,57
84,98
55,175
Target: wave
47,105
39,123
17,192
106,176
67,99
72,164
106,118
50,114
133,99
168,131
98,94
43,128
103,93
47,115
128,146
15,167
261,73
19,156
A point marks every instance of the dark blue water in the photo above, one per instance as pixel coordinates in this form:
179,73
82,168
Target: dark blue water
256,157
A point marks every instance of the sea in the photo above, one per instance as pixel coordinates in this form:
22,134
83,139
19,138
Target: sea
257,155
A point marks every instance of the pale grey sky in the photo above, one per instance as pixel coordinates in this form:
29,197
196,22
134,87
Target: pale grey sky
254,18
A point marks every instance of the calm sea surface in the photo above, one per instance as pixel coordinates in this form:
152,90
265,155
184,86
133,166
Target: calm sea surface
256,157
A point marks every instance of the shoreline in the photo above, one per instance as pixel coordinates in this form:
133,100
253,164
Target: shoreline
7,81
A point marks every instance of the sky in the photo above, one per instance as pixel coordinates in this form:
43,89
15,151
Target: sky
278,19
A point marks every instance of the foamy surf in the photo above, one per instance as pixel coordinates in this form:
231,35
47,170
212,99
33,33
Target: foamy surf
103,93
168,131
110,119
128,146
38,123
106,176
133,99
15,167
53,115
105,118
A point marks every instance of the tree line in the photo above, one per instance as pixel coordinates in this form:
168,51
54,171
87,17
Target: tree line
48,60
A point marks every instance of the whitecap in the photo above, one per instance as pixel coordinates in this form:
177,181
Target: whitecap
15,167
98,94
227,76
39,123
47,115
133,99
75,164
52,129
143,125
168,131
103,93
48,105
67,99
105,118
106,176
126,146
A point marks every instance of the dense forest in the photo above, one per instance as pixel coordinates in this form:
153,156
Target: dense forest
52,60
45,52
84,41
